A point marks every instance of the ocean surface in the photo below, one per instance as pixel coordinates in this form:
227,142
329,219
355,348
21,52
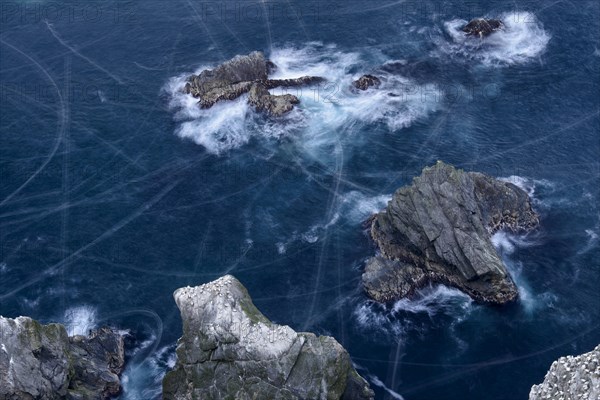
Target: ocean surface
115,189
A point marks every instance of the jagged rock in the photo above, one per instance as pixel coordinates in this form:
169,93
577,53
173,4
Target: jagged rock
438,230
42,362
366,81
571,378
229,349
238,76
482,27
263,101
302,81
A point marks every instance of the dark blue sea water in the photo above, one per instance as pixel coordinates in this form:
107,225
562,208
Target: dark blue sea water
115,189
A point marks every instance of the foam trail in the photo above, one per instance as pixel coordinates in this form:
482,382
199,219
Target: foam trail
358,207
144,380
62,124
503,243
506,244
377,382
434,300
61,41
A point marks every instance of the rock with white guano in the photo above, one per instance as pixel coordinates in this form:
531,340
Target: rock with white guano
229,349
571,378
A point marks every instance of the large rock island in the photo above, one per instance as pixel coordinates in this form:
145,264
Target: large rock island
571,378
229,349
438,230
42,362
246,74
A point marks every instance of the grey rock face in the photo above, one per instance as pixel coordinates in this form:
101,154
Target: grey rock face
482,27
241,75
438,230
230,350
571,378
366,81
42,362
263,101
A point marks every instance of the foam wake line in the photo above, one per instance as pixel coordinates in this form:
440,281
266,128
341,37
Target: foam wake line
377,382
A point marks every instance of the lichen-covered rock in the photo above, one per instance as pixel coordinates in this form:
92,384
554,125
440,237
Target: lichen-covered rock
438,230
42,362
230,350
482,27
366,81
241,75
571,378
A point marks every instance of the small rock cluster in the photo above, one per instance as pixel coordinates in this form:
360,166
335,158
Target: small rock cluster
244,74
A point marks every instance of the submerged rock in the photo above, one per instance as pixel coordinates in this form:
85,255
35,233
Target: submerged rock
42,362
229,349
438,230
366,81
571,378
482,27
240,75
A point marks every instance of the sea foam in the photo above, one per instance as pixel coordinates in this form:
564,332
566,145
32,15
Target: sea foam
80,320
522,39
327,111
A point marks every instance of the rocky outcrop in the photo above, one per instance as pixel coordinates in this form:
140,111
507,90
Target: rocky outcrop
42,362
263,101
366,81
482,27
571,378
229,349
241,75
438,230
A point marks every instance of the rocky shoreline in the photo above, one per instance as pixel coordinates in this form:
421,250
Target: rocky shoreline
42,362
438,230
228,349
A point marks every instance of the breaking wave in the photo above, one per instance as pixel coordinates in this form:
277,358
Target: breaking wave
522,39
80,320
326,112
397,318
